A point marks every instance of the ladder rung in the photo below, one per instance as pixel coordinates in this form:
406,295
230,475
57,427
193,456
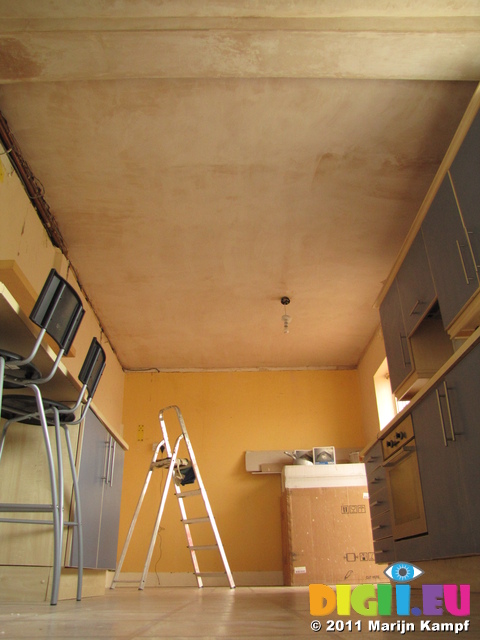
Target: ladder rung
209,574
200,547
189,494
25,508
194,520
25,521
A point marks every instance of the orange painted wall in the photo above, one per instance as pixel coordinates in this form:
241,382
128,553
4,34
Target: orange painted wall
25,246
227,414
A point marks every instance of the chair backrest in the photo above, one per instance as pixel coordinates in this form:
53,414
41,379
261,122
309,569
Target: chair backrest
58,310
93,367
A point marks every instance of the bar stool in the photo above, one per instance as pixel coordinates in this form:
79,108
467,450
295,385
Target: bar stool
58,312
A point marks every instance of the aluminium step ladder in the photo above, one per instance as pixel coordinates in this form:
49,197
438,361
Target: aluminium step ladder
174,465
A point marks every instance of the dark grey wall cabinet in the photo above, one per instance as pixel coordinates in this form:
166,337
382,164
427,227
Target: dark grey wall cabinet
435,295
416,343
430,318
395,337
449,253
100,483
465,173
415,285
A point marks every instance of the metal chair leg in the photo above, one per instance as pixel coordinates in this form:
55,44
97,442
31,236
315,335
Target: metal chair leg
56,516
2,375
78,513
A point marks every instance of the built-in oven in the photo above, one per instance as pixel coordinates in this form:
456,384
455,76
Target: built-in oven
403,481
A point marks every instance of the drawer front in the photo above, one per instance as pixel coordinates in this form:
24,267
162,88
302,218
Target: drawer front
381,526
374,458
379,501
384,550
376,479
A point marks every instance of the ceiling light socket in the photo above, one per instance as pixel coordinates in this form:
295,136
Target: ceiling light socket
286,319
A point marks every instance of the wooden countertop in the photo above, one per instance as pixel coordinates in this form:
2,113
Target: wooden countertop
19,334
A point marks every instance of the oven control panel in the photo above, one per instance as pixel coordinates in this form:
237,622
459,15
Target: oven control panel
397,437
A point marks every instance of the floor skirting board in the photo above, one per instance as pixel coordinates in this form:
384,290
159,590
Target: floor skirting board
32,584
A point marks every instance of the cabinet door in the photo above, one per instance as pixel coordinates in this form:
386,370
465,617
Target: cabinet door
90,481
395,337
463,392
100,484
112,493
450,258
465,172
447,507
415,285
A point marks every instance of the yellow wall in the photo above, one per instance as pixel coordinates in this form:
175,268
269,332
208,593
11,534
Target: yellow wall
227,414
370,362
26,257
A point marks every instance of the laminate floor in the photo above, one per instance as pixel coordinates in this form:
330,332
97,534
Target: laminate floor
198,614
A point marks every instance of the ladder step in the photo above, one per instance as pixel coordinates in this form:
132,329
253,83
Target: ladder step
163,462
194,520
209,574
202,547
189,494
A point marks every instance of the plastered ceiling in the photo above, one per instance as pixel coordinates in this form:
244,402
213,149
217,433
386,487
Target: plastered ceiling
204,159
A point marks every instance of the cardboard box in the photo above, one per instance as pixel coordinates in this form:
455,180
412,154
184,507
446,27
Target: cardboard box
327,537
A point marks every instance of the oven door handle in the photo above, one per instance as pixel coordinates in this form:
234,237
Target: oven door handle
403,453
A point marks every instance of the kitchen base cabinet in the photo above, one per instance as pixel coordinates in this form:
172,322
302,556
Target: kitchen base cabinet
383,547
463,389
448,444
100,484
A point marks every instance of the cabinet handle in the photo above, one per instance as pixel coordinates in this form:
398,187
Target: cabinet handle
449,413
106,467
406,361
379,526
112,465
460,247
442,422
415,307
